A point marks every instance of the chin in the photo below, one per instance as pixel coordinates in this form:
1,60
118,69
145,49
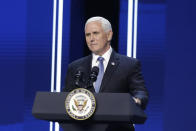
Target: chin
94,50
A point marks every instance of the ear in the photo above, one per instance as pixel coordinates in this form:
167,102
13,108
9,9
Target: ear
109,35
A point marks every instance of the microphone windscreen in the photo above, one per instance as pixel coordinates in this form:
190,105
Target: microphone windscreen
95,70
81,69
79,72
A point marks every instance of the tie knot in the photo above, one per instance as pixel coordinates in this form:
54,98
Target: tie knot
100,59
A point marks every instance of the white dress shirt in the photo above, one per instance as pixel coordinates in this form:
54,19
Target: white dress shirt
106,57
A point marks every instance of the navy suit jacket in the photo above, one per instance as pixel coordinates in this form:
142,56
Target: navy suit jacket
122,75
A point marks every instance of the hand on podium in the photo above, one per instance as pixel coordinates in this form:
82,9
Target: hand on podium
137,100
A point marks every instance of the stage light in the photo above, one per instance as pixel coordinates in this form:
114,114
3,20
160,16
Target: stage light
130,28
56,88
135,29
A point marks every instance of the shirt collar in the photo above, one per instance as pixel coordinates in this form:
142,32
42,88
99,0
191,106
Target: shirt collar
106,55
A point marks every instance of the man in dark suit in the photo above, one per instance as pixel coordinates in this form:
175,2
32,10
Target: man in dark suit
117,73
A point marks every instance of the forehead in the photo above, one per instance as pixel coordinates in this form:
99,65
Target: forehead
93,26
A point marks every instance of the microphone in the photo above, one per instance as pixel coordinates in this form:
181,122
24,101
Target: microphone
93,76
94,73
78,76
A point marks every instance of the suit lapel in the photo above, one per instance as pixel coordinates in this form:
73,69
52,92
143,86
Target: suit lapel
111,67
88,65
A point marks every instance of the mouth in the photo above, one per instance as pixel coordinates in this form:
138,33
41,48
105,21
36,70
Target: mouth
93,44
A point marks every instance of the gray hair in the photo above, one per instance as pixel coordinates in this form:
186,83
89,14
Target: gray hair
104,23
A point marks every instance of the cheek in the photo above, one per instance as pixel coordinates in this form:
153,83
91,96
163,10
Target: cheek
100,39
87,41
103,41
104,38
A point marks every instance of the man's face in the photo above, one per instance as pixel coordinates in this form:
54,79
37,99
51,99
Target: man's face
98,41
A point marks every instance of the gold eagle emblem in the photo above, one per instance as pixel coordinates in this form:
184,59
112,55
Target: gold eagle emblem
80,106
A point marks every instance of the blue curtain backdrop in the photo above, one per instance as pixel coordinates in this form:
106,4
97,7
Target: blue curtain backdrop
166,48
12,61
151,37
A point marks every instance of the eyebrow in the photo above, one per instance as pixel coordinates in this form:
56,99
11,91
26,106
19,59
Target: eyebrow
93,32
87,33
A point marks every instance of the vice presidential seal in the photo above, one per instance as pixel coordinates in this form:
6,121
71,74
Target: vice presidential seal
80,104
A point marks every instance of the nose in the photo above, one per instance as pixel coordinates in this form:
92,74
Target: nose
92,38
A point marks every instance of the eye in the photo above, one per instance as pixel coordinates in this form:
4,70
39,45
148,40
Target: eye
96,33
